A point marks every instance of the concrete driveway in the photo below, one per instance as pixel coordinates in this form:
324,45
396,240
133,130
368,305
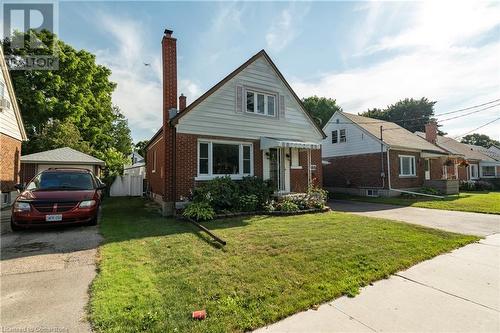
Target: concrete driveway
454,292
45,275
460,222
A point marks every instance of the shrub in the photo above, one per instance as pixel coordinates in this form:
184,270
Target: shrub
248,203
288,205
478,185
199,211
481,185
467,185
221,193
429,190
261,189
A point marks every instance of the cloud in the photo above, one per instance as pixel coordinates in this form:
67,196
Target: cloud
441,24
285,29
444,67
139,87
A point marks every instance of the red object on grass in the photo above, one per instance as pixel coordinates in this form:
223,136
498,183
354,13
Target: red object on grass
201,314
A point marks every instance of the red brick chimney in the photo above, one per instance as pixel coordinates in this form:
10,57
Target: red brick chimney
169,55
431,132
182,102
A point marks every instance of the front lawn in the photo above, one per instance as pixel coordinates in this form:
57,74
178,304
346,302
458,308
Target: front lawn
478,202
154,272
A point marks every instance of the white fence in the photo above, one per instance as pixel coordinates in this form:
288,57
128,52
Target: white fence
127,185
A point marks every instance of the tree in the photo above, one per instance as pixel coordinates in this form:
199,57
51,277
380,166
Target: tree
321,108
140,147
70,106
409,113
480,140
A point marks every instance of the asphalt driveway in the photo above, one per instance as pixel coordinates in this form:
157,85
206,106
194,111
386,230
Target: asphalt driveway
454,221
45,277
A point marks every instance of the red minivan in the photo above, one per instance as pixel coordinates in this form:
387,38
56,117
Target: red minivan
61,196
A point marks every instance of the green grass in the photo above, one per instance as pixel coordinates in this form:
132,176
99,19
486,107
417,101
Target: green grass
478,202
153,272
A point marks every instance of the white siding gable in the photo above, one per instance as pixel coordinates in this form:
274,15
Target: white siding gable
218,115
357,142
8,122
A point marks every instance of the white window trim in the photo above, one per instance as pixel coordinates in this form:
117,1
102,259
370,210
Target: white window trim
471,176
413,159
266,94
210,175
481,171
337,132
345,135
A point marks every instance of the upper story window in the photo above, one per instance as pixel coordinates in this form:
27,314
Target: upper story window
2,90
260,103
336,134
343,137
407,166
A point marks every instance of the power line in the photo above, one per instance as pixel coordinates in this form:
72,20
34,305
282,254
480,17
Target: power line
470,107
475,129
441,114
451,118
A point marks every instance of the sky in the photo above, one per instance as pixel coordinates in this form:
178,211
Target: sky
363,54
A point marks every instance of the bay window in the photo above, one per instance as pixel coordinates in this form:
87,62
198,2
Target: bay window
220,158
406,166
260,103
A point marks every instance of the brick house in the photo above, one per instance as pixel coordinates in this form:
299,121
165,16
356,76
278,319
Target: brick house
251,123
12,134
370,157
465,162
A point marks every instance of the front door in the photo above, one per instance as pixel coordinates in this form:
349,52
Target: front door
276,168
427,168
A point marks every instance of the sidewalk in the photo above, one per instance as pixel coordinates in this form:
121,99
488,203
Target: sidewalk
454,292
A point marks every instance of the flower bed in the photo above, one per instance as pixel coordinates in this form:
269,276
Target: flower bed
223,197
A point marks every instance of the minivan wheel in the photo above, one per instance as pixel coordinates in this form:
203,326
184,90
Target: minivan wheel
14,227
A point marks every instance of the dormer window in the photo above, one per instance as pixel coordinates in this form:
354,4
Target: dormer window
260,103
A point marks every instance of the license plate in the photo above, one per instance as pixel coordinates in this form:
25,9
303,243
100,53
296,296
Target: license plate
53,218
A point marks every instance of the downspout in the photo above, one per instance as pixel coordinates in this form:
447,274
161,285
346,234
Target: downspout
403,191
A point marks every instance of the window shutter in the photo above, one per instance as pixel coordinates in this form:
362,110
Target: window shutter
239,99
282,106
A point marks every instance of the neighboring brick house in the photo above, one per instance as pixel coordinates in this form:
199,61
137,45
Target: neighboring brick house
466,162
250,123
12,133
365,156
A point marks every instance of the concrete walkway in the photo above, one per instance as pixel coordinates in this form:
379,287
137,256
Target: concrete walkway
460,222
45,275
454,292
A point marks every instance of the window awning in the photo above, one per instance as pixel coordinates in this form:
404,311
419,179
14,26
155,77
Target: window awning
266,143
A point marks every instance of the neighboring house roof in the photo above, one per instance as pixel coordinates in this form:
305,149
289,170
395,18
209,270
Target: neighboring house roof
13,100
393,135
133,166
261,53
64,155
135,156
458,148
487,151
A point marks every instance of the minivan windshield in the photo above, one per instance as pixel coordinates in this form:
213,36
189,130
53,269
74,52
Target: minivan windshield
62,181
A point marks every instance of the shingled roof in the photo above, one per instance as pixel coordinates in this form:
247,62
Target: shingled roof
64,155
458,148
393,135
